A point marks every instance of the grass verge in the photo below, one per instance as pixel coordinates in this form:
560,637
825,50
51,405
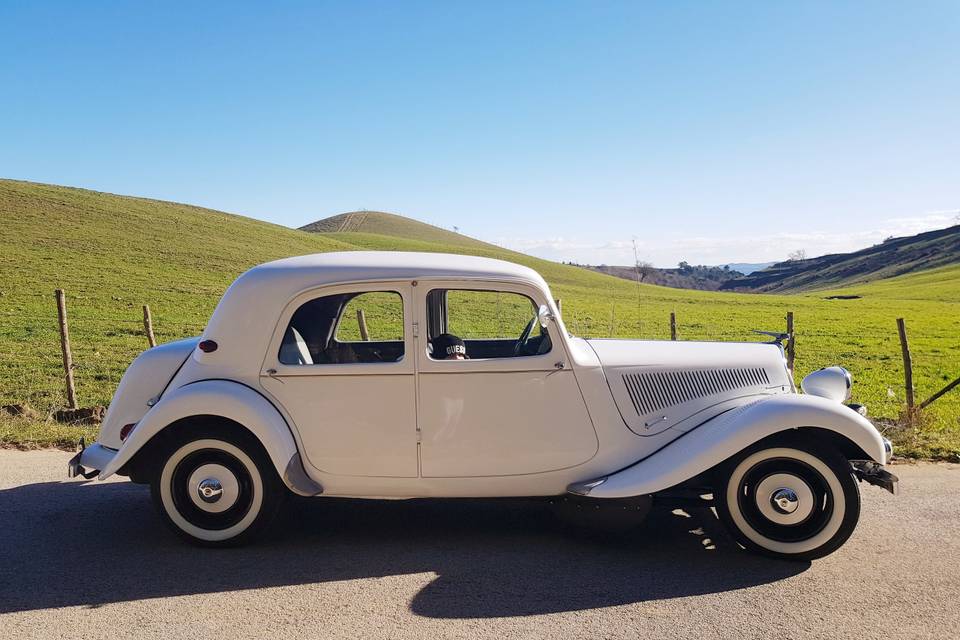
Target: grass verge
26,434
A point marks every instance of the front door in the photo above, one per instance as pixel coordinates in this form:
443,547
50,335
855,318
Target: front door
341,364
510,405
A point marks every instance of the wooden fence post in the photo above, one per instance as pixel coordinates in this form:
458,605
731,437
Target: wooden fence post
362,322
907,365
65,349
791,342
673,325
148,325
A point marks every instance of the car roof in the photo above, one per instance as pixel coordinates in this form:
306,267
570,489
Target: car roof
246,316
358,266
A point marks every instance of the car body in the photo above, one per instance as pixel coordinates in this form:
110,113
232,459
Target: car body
317,375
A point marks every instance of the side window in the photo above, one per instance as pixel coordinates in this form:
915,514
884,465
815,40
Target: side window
470,324
477,315
344,329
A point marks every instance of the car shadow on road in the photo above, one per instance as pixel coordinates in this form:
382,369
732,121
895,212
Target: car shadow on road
85,544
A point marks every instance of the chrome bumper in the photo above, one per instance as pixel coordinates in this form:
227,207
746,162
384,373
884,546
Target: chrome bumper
95,457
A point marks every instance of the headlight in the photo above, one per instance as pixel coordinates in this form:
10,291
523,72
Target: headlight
830,382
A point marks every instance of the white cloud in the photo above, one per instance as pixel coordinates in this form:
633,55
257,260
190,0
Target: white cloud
761,247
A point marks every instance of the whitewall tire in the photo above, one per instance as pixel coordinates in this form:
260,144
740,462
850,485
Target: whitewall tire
789,500
216,489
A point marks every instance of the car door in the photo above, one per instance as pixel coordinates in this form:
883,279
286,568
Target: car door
341,364
495,413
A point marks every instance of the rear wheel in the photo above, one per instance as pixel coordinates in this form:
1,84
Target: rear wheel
216,488
790,500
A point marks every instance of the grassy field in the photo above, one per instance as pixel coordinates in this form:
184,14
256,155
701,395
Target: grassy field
112,254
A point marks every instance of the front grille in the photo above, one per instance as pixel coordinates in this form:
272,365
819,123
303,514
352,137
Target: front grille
657,390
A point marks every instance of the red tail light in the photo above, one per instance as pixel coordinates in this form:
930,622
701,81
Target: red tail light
125,430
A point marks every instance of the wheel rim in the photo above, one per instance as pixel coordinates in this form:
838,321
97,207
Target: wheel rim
211,489
785,500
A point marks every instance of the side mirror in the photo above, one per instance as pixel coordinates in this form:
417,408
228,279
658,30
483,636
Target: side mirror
545,316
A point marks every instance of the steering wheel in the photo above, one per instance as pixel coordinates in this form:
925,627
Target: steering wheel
524,337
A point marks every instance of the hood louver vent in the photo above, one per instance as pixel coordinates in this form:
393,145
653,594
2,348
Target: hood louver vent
655,391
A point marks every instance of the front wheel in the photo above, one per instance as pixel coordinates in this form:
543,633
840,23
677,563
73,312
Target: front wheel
216,489
792,501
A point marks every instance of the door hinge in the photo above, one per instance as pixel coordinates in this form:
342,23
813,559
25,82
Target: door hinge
416,329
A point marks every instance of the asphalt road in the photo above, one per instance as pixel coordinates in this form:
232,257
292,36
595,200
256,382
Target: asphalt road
92,560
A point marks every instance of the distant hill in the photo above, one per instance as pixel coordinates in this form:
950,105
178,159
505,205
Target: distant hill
381,231
390,224
364,228
747,268
893,257
699,277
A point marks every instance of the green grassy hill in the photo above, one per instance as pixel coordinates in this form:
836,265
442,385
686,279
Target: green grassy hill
114,253
390,224
893,257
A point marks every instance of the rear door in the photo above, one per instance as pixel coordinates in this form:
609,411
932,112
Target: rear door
341,364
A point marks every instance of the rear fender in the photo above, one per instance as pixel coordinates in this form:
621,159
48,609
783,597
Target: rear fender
230,400
726,435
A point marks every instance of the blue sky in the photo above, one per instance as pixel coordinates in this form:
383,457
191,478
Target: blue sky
710,132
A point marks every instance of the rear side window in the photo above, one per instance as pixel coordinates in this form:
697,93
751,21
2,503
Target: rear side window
347,328
374,316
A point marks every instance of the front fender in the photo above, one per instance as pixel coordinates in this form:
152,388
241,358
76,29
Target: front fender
729,433
230,400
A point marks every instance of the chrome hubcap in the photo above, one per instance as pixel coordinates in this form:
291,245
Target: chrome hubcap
210,490
213,488
785,500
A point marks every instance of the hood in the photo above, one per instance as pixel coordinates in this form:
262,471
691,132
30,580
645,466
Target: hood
661,384
145,379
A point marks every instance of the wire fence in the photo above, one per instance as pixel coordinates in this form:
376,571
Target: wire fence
92,327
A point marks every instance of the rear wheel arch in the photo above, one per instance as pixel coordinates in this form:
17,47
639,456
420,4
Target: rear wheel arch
146,462
239,408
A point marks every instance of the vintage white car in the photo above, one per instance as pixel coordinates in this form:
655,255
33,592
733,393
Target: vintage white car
399,375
